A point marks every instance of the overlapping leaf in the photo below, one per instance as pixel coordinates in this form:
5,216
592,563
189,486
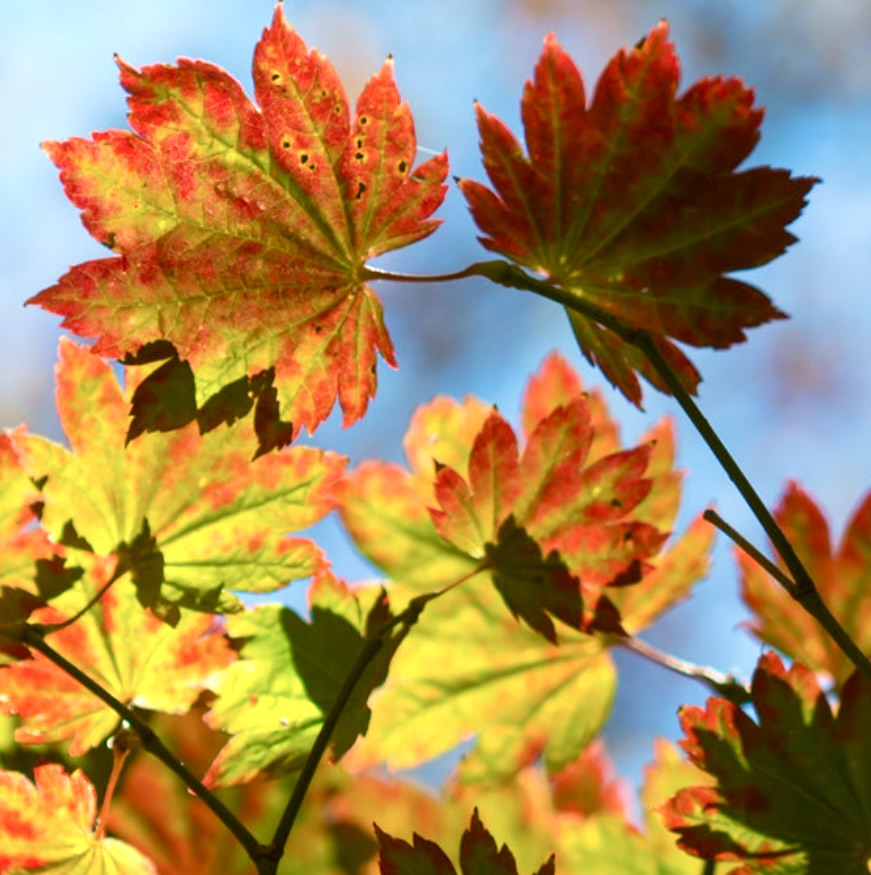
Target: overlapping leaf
479,855
189,515
242,233
273,701
139,659
30,569
633,204
793,790
842,575
49,827
502,682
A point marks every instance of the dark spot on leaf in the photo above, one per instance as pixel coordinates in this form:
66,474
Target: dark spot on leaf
359,142
615,502
318,329
402,166
361,187
359,156
364,120
285,144
303,159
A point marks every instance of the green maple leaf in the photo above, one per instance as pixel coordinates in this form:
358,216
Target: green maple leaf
242,235
479,855
274,700
187,514
792,790
140,660
633,204
48,827
841,574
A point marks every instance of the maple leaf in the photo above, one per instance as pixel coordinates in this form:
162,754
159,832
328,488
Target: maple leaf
49,827
274,700
438,695
791,792
479,855
633,203
188,515
132,654
841,575
32,569
242,233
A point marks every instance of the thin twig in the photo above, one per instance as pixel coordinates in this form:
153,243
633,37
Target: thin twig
750,549
722,684
33,638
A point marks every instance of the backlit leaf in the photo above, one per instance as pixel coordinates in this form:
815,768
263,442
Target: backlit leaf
140,660
632,202
190,514
273,701
48,827
842,575
242,231
793,789
497,681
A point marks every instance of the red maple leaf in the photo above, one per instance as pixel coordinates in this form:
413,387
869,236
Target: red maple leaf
242,233
633,203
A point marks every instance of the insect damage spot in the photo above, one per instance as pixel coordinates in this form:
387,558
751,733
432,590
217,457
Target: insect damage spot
361,188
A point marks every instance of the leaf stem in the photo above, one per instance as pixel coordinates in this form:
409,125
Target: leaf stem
374,273
722,684
803,590
752,551
33,638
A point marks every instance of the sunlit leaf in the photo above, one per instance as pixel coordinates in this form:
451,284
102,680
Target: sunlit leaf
273,701
242,233
190,514
48,827
140,660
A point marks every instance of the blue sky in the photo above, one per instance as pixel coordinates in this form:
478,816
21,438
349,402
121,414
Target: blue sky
792,403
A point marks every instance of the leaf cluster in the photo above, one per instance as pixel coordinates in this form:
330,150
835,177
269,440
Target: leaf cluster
513,558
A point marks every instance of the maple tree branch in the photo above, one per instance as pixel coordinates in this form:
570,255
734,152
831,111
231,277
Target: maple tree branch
803,590
724,685
750,549
33,637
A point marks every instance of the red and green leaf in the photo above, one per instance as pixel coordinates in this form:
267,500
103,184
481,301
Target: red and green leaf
140,660
633,203
49,826
273,701
500,682
842,575
241,234
189,514
793,790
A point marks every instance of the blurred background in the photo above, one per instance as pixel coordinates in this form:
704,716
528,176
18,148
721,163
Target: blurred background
794,402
